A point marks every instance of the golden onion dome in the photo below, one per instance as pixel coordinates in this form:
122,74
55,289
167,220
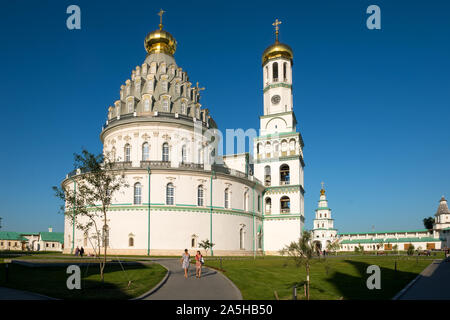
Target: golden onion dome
276,50
160,40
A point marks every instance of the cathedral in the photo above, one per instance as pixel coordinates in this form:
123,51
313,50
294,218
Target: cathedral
180,190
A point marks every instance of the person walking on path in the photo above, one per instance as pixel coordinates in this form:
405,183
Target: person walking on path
185,262
81,252
198,264
77,250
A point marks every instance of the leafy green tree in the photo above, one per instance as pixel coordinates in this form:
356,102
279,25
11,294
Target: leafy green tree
410,250
206,244
87,207
301,251
334,246
428,223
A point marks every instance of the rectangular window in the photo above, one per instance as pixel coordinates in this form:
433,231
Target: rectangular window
165,105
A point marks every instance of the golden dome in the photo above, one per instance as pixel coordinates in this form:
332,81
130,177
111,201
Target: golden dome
160,41
276,50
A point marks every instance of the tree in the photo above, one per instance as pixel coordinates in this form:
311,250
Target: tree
410,250
334,246
301,252
87,205
395,248
428,223
206,244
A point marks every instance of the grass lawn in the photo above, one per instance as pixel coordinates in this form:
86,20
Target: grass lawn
51,281
346,277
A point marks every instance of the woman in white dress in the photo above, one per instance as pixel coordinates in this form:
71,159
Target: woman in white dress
185,262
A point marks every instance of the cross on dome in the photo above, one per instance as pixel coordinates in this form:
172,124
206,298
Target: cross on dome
160,14
277,28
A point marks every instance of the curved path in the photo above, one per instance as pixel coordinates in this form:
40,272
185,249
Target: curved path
211,286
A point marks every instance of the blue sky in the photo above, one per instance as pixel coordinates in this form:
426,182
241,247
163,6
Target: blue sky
372,105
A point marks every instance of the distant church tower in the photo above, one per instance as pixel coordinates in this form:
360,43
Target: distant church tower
323,229
278,151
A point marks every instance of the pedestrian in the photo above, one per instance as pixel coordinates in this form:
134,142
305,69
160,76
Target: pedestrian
77,251
185,262
198,264
81,252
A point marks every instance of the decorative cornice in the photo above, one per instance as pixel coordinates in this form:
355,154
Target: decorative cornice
276,85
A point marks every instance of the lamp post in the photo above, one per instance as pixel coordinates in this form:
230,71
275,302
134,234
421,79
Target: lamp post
148,245
73,213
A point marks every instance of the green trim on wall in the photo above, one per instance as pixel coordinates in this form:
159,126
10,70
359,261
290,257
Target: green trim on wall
279,134
277,85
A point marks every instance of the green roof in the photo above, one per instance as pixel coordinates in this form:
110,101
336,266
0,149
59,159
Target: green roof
10,235
390,240
379,232
52,236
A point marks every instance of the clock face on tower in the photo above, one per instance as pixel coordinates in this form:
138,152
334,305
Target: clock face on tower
276,99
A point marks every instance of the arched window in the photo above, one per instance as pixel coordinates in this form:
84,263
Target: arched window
268,205
259,203
130,106
292,146
267,74
246,201
268,149
275,71
131,242
147,105
169,194
165,104
285,204
284,174
145,151
200,202
193,242
227,198
285,71
183,108
105,236
137,193
165,151
241,239
183,154
127,152
267,176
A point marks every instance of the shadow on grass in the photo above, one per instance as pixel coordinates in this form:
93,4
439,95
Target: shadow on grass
51,281
355,287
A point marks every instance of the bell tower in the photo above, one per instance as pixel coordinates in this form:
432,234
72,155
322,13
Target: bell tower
278,151
277,64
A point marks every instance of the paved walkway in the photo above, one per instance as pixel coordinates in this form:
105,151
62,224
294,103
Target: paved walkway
211,286
13,294
433,284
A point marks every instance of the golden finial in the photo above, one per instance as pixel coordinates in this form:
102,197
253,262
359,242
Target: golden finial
322,191
160,14
277,28
199,89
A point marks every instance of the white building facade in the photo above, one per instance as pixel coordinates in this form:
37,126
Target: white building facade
180,191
